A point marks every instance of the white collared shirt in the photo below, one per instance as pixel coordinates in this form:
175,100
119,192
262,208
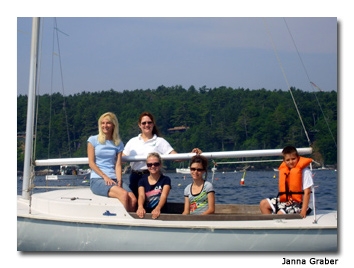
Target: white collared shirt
138,147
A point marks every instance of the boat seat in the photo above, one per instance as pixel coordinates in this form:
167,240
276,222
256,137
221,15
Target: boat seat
223,212
219,217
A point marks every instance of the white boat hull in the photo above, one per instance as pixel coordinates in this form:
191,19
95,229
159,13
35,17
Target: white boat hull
118,237
183,170
73,220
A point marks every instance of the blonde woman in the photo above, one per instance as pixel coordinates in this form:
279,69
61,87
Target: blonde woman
105,160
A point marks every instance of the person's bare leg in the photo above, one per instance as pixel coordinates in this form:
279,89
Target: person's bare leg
132,202
265,207
120,194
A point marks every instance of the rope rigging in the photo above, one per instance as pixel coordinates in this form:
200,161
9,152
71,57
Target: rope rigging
312,84
287,82
56,44
308,77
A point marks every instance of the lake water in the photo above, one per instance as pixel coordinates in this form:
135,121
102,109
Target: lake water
257,185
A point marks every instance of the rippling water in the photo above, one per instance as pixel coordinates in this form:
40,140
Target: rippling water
258,185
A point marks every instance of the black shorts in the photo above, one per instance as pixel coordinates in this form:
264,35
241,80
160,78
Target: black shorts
284,207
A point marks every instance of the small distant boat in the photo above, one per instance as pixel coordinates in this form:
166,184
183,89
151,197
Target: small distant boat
321,168
68,172
183,170
275,169
188,171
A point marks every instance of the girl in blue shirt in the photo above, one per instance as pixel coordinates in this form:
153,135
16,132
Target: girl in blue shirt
105,160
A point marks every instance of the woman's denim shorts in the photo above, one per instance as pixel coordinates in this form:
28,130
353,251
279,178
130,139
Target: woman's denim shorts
99,187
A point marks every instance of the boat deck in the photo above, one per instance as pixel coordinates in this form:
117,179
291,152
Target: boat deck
81,205
223,212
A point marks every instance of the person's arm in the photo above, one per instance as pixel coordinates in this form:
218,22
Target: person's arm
307,186
195,150
163,198
119,169
126,150
305,202
174,152
141,200
211,204
186,206
94,167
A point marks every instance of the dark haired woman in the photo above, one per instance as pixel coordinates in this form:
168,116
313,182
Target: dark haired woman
148,141
199,196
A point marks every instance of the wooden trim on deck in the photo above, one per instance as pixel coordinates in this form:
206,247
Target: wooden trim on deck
223,212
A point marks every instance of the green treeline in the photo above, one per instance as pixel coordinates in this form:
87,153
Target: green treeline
218,119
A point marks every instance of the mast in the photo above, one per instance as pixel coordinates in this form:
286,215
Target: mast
27,172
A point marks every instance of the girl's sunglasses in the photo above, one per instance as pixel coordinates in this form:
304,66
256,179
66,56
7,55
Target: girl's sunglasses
147,122
153,164
196,169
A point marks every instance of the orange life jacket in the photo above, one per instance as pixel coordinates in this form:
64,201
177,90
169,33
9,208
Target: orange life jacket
290,180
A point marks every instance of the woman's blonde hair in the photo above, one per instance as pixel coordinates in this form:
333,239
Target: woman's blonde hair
154,154
115,135
158,156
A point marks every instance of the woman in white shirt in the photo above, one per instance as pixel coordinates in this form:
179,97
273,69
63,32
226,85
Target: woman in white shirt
148,141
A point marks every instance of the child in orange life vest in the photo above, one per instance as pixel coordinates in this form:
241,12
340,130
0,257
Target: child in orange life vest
295,184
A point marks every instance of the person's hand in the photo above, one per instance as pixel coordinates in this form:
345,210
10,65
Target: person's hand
109,181
155,213
197,151
290,202
303,213
140,212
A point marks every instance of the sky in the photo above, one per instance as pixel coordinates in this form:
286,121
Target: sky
187,53
101,53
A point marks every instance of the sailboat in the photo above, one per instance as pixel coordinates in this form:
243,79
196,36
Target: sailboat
75,219
183,170
188,171
70,172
